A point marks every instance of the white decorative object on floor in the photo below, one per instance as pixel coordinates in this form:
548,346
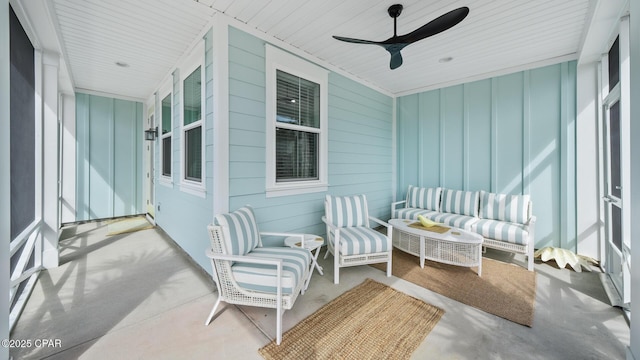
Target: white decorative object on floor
564,257
311,243
350,238
246,273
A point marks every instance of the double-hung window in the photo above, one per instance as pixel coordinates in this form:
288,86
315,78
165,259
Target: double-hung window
166,116
193,126
296,125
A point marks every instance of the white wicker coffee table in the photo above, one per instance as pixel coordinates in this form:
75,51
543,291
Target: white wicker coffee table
442,244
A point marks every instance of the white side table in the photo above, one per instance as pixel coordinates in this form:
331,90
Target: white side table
313,243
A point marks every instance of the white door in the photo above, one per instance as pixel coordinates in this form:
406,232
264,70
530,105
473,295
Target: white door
616,251
616,165
149,149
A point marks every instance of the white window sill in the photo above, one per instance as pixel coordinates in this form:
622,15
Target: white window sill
165,181
193,188
296,189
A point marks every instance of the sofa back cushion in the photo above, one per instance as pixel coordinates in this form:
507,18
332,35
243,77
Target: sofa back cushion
240,231
347,211
460,202
511,208
423,198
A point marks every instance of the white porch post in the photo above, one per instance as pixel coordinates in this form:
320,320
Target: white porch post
220,115
634,47
50,149
5,185
68,158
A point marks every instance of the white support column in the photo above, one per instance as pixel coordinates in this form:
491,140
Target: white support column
220,115
68,156
634,197
5,185
50,149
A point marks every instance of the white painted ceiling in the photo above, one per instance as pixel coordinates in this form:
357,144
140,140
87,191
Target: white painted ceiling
152,35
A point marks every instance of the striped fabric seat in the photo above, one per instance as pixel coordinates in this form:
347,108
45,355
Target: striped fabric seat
511,208
423,198
460,202
262,278
347,211
412,213
455,220
362,240
240,230
503,231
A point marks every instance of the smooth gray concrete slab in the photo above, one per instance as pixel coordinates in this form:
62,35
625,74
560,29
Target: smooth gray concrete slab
135,296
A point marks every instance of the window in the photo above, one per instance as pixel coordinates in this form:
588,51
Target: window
297,128
192,126
192,130
166,124
296,125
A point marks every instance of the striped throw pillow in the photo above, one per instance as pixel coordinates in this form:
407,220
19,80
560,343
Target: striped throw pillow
347,211
240,231
423,198
511,208
460,202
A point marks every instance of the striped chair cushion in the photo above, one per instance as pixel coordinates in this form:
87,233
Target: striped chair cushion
460,202
412,213
262,278
503,231
455,220
362,240
423,198
347,211
240,231
511,208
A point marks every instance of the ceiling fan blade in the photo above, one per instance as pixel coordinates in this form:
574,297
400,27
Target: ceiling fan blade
356,41
396,60
435,26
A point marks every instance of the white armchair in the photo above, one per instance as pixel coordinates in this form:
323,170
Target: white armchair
350,238
246,273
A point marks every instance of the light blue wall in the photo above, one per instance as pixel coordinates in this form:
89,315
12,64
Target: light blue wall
183,215
511,134
360,144
109,156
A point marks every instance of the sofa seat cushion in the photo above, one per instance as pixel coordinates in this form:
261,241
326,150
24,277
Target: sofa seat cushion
454,220
503,231
259,277
412,213
362,240
460,202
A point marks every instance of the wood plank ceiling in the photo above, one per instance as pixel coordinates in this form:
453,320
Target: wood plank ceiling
151,35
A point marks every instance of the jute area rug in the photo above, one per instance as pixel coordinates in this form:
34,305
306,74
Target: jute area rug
370,321
505,290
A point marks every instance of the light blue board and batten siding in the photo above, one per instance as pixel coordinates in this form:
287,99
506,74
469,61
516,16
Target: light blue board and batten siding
109,156
511,134
184,216
359,130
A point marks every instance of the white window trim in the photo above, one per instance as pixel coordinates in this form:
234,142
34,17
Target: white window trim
165,90
192,62
277,59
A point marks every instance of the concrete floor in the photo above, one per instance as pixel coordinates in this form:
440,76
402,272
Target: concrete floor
136,296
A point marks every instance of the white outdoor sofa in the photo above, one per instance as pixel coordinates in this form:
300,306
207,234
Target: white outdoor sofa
505,222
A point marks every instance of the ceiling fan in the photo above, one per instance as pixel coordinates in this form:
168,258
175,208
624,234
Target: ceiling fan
396,43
